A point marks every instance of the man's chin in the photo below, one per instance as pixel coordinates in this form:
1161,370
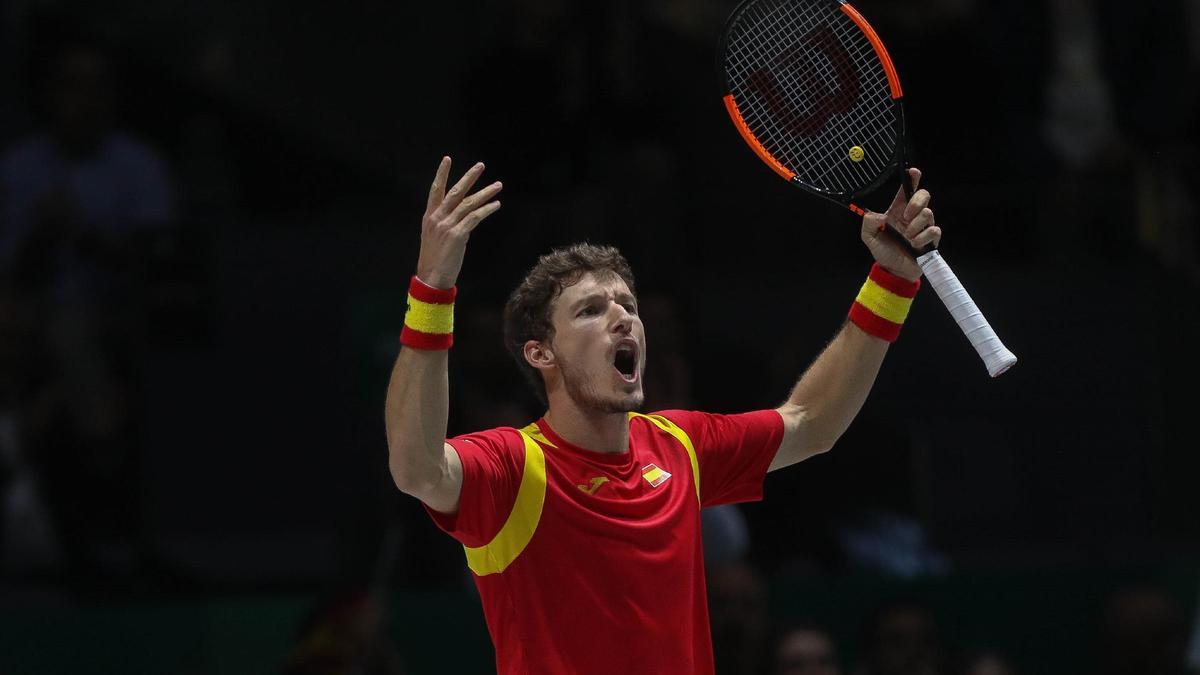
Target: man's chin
630,403
617,400
617,404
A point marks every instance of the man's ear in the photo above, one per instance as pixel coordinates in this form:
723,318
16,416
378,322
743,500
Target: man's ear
539,355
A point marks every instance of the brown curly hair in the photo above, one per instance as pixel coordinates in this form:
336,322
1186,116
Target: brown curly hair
527,312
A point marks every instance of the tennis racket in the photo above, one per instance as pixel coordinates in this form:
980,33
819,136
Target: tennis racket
812,90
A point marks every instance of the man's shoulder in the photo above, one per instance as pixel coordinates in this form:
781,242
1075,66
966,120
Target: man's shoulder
500,451
672,422
494,439
701,425
671,417
671,413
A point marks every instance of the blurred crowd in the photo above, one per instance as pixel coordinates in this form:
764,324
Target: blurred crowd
119,176
85,207
1139,631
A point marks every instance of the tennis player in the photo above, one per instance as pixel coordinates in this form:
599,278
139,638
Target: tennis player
582,530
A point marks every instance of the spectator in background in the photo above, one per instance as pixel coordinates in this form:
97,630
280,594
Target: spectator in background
901,639
804,649
984,662
1193,652
27,542
78,190
891,543
78,201
1143,633
345,635
737,602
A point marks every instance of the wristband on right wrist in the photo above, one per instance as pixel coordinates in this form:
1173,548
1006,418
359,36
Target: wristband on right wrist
883,303
429,321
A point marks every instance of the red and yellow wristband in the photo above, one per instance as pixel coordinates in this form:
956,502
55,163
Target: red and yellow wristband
429,321
883,303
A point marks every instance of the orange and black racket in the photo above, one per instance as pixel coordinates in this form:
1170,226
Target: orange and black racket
812,90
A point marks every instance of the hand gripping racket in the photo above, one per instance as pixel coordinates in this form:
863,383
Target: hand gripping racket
812,90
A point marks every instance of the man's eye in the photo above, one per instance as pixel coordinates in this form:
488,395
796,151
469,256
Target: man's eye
587,311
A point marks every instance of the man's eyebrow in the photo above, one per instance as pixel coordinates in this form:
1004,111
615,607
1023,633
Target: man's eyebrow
586,299
620,297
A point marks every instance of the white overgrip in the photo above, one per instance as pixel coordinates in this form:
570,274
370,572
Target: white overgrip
966,314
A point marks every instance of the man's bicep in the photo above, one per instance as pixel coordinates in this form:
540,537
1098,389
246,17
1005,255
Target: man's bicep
444,495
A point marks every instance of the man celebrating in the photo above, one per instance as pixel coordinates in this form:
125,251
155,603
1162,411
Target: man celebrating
582,530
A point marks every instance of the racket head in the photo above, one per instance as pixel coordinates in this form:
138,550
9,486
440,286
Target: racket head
812,90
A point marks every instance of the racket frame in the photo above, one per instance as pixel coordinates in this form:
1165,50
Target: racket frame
996,357
897,165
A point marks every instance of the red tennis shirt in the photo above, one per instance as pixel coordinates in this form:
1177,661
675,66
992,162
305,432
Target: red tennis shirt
591,562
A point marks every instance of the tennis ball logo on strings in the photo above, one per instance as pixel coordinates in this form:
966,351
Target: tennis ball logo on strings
856,153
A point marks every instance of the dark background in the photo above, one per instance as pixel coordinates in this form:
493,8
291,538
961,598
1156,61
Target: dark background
194,466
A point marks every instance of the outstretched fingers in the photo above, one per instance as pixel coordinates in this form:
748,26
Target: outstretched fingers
454,210
437,191
475,201
456,194
472,220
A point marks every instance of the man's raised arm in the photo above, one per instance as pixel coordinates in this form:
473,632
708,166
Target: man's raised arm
422,463
834,388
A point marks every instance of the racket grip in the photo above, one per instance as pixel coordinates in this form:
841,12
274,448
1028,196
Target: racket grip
966,314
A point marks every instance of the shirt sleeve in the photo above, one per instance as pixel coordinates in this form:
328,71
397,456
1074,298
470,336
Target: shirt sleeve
732,451
493,462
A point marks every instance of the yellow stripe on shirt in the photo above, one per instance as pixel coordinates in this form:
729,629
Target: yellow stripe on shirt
681,435
495,556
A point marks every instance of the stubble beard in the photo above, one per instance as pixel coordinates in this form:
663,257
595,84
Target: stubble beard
579,387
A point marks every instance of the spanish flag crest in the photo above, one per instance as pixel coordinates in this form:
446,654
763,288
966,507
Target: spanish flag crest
654,475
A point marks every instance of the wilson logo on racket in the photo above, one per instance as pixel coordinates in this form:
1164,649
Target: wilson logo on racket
821,101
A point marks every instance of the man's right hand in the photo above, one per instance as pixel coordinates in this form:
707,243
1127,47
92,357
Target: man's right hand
449,219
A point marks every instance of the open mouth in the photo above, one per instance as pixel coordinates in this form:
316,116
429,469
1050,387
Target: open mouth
625,361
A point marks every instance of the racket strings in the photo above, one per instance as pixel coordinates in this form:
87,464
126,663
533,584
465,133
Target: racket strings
825,159
788,116
809,87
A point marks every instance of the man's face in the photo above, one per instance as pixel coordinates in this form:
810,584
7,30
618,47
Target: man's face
906,643
599,344
806,652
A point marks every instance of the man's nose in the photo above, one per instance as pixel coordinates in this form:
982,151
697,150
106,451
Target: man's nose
624,321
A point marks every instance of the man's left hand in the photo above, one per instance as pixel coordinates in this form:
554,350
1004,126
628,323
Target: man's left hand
913,219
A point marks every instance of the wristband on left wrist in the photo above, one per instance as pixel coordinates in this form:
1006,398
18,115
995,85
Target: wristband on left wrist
429,320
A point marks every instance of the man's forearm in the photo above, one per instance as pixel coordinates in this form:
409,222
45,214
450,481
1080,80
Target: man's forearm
829,394
418,396
416,414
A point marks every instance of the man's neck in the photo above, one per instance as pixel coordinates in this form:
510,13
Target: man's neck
595,431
